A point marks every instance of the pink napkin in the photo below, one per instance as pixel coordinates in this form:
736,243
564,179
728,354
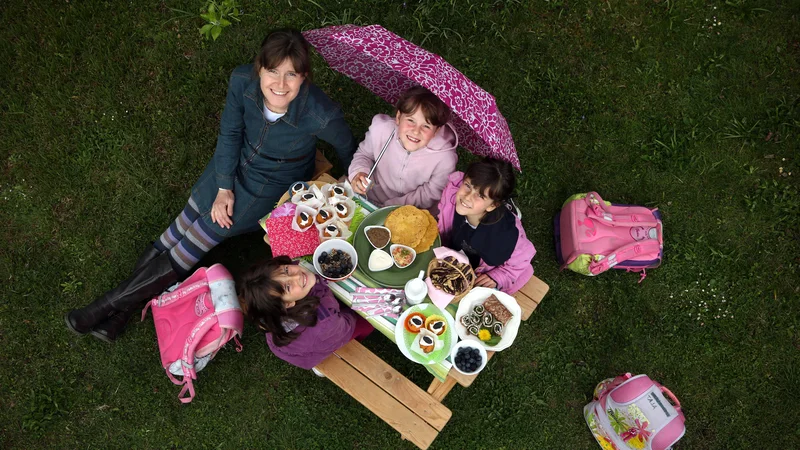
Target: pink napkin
286,241
286,209
441,298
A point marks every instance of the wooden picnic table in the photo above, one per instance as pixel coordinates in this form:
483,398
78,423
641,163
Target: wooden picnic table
417,414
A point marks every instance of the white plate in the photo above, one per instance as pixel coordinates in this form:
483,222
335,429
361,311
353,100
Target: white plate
478,295
400,334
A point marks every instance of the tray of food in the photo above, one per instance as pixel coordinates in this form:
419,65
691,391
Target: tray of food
405,234
424,334
488,317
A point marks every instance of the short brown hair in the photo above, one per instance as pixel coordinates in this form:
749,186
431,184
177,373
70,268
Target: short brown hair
281,45
434,110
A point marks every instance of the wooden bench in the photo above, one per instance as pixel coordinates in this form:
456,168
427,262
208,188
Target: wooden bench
419,416
383,390
528,298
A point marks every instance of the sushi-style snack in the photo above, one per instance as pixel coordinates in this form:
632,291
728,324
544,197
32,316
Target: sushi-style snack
336,190
341,210
414,322
297,187
427,343
497,328
304,220
436,324
331,231
487,320
323,216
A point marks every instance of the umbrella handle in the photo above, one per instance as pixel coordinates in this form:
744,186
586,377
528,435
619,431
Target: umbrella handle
380,155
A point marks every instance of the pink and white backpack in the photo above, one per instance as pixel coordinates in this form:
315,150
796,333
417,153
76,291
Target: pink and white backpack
193,321
593,236
631,413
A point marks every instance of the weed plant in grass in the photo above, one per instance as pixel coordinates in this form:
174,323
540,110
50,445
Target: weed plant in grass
109,112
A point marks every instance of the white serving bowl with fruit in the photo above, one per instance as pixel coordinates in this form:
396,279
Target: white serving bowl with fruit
468,357
335,259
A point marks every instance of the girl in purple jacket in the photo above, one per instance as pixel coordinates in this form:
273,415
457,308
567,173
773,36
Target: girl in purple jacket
420,155
474,217
303,321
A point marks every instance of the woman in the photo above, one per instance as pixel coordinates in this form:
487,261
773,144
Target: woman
268,133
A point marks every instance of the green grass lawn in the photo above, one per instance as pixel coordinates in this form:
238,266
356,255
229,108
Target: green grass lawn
109,112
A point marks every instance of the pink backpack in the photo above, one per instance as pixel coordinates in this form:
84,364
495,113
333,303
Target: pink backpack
632,413
593,236
193,321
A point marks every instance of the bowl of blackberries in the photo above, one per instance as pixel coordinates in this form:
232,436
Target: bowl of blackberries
335,259
468,357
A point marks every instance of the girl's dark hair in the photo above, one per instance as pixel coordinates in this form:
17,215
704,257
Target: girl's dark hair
495,179
281,45
434,110
259,295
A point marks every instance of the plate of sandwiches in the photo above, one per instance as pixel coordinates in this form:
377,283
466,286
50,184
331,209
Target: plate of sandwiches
488,317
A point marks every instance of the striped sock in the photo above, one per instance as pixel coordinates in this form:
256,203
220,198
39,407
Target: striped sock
198,240
177,230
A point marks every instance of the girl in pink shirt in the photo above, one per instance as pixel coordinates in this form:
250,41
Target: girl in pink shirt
419,158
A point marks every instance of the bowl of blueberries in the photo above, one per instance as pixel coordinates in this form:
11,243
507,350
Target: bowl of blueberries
335,259
468,357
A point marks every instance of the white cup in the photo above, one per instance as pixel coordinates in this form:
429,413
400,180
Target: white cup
416,290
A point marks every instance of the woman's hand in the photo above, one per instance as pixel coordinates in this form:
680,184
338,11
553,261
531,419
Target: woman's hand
359,183
222,210
485,281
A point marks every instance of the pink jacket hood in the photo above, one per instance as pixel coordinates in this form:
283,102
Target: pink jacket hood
406,178
511,275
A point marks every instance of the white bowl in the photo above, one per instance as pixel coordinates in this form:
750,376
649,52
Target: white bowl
379,269
469,344
391,253
377,226
339,244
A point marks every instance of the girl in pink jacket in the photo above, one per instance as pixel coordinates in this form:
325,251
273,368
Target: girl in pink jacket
474,218
419,158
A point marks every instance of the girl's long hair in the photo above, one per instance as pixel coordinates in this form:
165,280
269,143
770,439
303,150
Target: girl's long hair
260,296
497,180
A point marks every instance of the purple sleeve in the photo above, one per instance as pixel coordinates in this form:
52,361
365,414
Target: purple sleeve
334,328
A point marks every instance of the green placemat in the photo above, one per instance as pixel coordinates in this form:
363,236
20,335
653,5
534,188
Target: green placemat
393,277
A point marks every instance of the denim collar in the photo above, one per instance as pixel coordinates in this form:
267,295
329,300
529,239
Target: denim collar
292,116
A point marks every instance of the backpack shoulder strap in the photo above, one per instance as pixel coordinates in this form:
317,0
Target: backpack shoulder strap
649,248
187,356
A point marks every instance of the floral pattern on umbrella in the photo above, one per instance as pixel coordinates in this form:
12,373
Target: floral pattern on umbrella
387,65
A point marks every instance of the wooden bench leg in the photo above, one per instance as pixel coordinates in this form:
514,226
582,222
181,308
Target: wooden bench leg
440,389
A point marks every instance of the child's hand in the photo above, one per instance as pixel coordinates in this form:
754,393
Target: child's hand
485,281
359,183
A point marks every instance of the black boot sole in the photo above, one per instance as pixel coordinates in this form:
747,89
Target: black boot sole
102,337
71,327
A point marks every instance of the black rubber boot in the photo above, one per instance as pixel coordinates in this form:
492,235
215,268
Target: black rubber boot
144,284
149,254
112,328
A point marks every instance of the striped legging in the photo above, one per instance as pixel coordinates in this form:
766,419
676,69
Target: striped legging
188,238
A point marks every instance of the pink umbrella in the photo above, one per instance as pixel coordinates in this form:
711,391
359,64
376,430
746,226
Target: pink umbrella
387,65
